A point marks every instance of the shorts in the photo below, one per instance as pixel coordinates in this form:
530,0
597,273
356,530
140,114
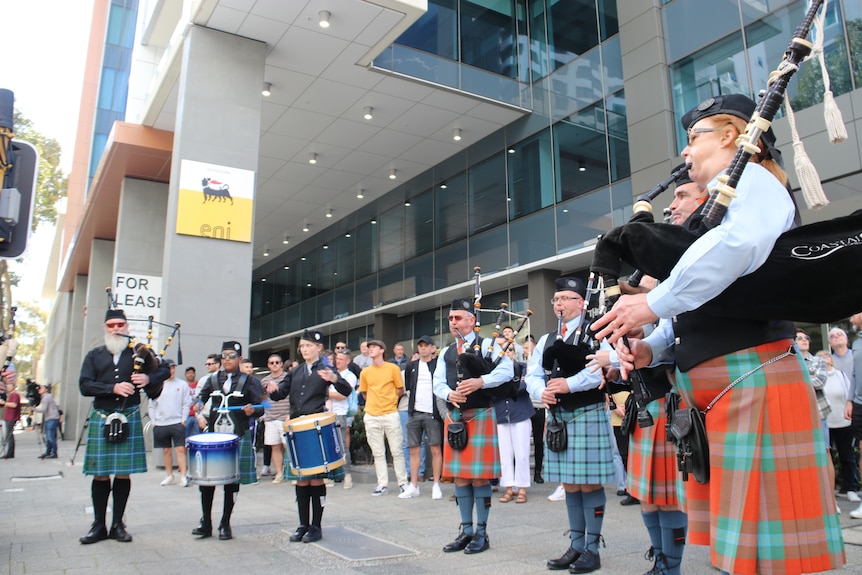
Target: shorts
167,436
273,433
420,421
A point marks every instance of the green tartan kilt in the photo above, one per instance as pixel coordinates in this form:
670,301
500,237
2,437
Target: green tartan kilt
588,457
247,470
103,458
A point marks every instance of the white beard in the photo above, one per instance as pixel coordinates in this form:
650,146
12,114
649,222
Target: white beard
116,343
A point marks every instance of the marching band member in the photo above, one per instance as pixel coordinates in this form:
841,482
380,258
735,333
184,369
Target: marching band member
474,466
765,440
307,385
586,464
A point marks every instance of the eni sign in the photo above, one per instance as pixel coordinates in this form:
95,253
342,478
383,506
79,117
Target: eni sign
215,201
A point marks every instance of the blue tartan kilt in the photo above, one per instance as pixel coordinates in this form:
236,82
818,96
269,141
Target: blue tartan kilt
588,457
103,458
247,470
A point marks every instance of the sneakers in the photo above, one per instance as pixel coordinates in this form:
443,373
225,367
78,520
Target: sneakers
278,479
169,480
559,494
856,513
853,496
380,490
436,492
266,471
409,492
348,481
184,481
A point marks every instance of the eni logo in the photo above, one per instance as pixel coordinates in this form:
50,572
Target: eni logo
215,191
824,249
218,232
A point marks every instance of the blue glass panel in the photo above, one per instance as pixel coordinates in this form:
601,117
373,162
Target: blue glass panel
612,65
491,85
487,197
365,294
425,66
390,285
530,169
608,23
450,265
419,276
343,302
436,31
532,238
419,225
574,29
366,245
691,25
490,250
325,268
345,258
390,237
583,219
582,154
450,217
618,136
488,36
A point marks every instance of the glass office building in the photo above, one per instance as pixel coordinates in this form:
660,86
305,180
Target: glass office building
545,185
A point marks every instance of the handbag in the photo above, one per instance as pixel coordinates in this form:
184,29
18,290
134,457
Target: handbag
692,448
556,434
628,424
456,435
116,428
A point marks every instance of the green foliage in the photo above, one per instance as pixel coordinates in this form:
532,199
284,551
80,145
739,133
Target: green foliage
51,182
30,333
810,87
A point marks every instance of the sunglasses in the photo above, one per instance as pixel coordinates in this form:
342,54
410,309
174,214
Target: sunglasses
113,324
458,317
210,363
231,355
273,362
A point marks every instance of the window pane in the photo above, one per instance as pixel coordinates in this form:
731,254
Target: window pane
618,136
853,18
608,18
436,31
325,268
419,225
450,265
308,276
583,219
390,238
419,276
581,144
390,285
425,323
530,167
366,294
490,251
366,245
488,36
343,302
574,29
714,19
345,256
532,238
488,204
450,217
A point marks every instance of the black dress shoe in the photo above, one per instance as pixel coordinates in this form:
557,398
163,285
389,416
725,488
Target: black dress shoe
629,500
622,492
313,534
586,563
204,529
459,544
118,532
479,543
564,562
43,456
224,532
299,534
52,456
537,478
97,533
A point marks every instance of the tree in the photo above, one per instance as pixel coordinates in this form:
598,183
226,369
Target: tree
30,333
51,181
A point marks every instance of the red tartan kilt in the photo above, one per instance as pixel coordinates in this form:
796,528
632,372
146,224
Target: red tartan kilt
652,467
481,458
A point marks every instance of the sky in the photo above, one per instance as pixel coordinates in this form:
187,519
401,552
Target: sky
44,52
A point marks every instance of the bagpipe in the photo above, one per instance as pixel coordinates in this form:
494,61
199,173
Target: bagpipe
472,363
800,259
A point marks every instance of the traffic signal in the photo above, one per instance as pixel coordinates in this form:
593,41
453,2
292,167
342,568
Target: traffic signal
19,164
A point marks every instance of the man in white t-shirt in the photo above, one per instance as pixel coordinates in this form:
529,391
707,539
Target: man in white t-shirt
340,405
168,413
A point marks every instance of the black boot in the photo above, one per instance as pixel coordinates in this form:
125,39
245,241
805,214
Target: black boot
314,533
230,493
97,533
204,528
118,532
121,489
461,541
299,534
570,556
100,491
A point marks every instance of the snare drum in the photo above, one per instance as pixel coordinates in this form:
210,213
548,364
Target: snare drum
313,444
213,458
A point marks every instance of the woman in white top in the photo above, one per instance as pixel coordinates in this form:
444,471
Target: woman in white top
839,391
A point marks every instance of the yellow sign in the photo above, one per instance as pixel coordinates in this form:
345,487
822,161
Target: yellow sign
215,201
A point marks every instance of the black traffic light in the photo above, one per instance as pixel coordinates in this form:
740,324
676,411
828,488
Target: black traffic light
19,164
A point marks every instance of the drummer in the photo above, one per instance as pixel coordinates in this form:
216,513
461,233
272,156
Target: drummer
227,381
307,385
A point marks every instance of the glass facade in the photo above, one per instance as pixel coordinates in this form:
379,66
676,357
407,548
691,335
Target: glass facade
544,185
745,41
114,81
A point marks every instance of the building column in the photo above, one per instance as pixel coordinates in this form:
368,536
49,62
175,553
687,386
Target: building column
206,282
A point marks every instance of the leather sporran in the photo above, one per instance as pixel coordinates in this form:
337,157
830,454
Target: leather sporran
116,428
630,418
692,448
556,436
456,435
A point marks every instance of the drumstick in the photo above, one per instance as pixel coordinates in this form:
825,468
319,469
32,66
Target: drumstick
263,404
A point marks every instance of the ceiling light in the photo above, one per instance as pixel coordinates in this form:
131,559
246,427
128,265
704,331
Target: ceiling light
266,251
511,150
287,267
286,240
443,186
302,258
392,173
456,134
347,235
407,204
329,213
267,89
325,246
305,227
360,194
368,112
582,167
373,221
263,279
324,18
312,158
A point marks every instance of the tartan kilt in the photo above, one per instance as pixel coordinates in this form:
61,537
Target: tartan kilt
103,458
481,458
335,474
247,470
768,507
652,471
588,458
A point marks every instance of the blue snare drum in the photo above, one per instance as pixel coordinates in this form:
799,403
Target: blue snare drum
314,444
213,458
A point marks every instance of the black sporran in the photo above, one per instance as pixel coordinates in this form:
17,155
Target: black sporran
116,428
630,417
456,435
692,449
556,436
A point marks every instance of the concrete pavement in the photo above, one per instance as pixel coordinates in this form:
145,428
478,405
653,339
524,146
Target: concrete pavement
45,509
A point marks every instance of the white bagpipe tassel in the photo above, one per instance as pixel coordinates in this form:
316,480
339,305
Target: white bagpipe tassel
831,112
809,179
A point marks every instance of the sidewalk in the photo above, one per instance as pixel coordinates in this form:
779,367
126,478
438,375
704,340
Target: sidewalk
45,506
